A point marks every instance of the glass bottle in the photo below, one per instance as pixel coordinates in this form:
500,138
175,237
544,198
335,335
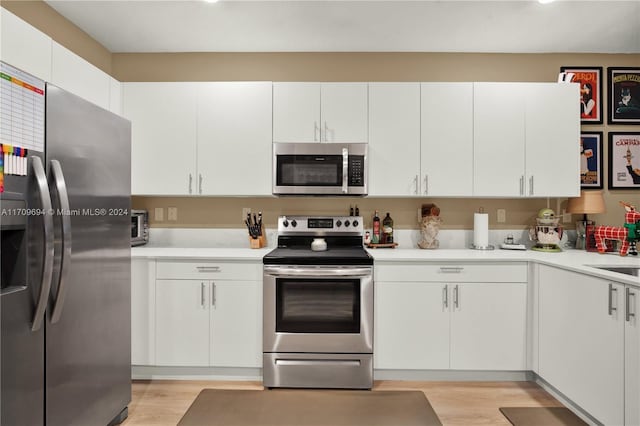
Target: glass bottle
387,229
375,238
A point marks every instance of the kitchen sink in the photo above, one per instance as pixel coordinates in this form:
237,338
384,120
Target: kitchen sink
628,270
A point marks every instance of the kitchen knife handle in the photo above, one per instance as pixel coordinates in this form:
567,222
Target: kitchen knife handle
47,266
611,290
628,295
58,182
190,183
200,183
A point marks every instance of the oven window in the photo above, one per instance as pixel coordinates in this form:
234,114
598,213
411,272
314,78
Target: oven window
317,306
309,170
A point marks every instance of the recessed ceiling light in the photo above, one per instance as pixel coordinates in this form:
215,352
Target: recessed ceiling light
545,1
211,1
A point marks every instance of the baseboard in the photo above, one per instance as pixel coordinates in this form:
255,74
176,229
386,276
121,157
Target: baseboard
143,372
565,401
453,375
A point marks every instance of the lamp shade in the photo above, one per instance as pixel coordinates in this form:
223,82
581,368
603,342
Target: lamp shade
589,202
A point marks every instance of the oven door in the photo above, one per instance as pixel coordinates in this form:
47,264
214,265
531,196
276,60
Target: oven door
318,309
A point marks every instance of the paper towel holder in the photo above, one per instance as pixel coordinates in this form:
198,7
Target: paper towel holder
478,247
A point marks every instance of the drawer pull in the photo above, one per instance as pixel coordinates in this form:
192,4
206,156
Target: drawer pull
628,295
611,307
451,269
208,268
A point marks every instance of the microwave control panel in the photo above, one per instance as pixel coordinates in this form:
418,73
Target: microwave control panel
356,170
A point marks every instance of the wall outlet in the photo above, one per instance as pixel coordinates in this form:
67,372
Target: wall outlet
502,216
159,214
172,213
566,217
245,212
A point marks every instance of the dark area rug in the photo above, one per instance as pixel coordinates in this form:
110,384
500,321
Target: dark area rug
292,407
541,416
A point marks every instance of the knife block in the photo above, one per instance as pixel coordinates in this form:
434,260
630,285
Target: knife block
254,243
259,242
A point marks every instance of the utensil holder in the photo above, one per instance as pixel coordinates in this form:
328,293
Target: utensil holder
254,243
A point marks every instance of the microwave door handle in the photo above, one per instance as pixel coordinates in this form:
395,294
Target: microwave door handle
65,256
47,218
345,170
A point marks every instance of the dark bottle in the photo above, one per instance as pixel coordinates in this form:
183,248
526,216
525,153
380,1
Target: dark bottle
357,211
375,238
387,229
350,210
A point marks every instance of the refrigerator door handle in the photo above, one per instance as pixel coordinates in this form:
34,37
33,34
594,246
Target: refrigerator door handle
65,256
47,266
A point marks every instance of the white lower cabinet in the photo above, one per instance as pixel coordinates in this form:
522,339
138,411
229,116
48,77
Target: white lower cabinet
450,324
582,343
632,357
143,311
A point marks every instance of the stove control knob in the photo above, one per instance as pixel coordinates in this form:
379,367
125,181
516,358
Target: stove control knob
294,223
347,223
338,223
285,223
355,223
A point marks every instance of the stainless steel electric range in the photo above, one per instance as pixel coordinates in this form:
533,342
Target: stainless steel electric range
318,305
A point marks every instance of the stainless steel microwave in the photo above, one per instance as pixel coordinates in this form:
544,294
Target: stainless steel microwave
320,169
139,227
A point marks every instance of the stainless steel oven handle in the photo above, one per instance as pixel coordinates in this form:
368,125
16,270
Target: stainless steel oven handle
317,272
347,362
345,170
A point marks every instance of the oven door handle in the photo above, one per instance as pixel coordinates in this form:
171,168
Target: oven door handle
318,272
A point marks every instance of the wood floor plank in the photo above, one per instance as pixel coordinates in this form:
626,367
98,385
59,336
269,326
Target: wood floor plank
164,402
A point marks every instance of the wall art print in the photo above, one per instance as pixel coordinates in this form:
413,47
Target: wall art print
624,160
590,79
624,95
591,160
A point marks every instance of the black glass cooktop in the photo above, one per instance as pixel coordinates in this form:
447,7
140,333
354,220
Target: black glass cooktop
305,256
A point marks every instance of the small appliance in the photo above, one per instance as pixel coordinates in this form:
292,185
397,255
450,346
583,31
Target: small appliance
547,232
139,227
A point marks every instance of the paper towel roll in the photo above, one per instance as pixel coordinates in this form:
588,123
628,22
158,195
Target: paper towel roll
481,230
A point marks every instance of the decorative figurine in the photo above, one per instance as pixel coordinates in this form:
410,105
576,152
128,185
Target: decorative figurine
429,227
628,235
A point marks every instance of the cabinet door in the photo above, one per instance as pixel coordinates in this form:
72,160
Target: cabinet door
447,139
24,47
296,112
182,323
394,138
115,96
632,357
581,344
163,137
411,326
234,138
343,112
73,74
498,125
236,324
488,326
552,123
143,311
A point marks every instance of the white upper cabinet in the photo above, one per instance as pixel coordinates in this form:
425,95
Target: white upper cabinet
552,135
163,137
320,112
446,159
24,47
234,138
115,96
72,73
498,163
394,139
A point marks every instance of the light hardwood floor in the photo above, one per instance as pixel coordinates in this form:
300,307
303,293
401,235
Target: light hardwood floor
163,402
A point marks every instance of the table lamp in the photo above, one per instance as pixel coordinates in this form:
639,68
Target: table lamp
589,202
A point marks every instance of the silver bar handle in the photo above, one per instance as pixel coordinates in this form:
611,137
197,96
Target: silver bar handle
200,183
326,132
445,297
345,169
456,300
531,185
190,183
415,185
521,185
60,185
208,269
213,293
451,269
345,362
426,184
611,290
47,261
317,272
202,289
628,294
316,128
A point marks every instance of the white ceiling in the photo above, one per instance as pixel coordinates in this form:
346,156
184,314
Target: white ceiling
359,26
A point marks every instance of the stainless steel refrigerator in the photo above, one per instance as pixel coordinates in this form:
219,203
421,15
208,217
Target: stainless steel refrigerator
66,275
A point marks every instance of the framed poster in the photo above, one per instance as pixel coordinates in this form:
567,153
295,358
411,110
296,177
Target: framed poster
624,160
624,95
590,79
591,160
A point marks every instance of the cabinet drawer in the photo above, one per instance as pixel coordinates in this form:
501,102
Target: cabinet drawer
190,270
453,272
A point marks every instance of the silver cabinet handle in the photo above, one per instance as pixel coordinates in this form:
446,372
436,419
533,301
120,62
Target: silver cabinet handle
426,184
315,131
628,294
202,294
208,269
521,185
47,262
445,297
345,170
451,269
455,297
415,185
213,293
190,183
200,183
62,200
326,132
611,307
531,185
